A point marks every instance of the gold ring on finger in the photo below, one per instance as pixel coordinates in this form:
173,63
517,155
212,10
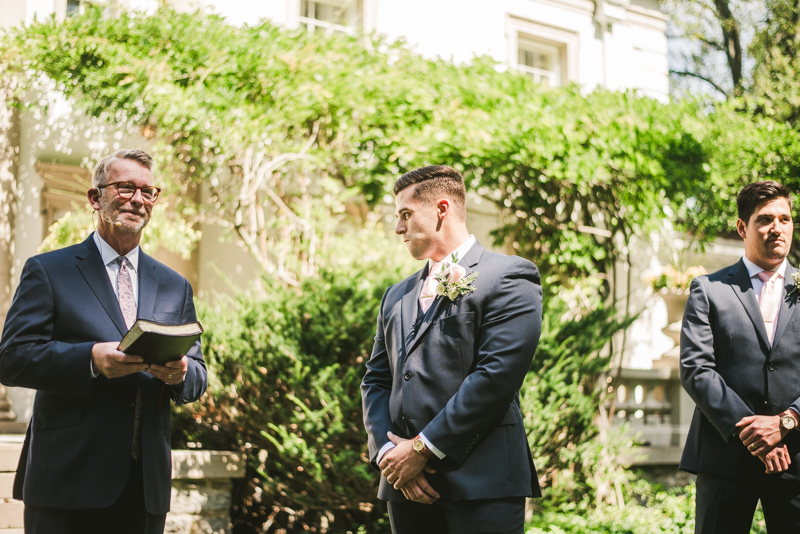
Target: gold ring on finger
169,377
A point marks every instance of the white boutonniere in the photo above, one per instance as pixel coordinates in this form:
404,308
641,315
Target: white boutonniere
452,280
796,280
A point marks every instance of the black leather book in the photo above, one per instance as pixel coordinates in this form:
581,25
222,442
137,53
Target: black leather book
160,343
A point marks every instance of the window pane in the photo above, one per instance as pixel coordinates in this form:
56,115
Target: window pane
321,11
539,60
73,7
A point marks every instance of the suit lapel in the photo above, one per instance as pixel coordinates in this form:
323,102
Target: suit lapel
788,305
410,303
90,264
739,279
148,287
469,260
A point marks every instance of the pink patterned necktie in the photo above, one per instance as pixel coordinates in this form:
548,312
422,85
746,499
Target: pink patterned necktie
126,301
770,300
128,306
428,293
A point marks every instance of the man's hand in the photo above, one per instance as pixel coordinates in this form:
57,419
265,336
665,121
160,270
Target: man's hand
171,372
419,490
777,460
111,363
401,464
761,433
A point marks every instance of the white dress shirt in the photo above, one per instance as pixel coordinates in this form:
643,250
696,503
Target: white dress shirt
460,252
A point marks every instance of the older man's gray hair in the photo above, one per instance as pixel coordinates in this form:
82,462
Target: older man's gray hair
100,176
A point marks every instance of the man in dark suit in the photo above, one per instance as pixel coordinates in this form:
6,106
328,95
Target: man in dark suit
441,392
97,454
740,362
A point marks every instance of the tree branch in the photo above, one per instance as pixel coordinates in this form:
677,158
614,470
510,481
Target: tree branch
699,77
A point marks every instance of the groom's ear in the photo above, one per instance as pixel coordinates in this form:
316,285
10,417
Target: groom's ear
443,207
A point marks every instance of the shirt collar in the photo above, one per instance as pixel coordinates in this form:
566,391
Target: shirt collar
109,254
753,269
460,252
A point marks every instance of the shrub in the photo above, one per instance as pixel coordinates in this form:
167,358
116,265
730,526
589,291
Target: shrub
561,398
286,366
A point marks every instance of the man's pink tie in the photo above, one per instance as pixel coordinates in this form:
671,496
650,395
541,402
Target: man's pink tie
128,306
770,300
428,293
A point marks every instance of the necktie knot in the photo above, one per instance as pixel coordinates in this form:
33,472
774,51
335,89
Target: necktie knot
766,276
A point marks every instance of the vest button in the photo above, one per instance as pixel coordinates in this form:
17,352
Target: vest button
771,367
407,376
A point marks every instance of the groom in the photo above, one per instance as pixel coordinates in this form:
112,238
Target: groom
441,393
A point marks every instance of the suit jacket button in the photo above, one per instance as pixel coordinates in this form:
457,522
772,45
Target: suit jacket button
771,366
407,376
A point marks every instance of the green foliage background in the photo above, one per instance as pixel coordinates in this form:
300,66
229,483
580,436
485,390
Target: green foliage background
554,161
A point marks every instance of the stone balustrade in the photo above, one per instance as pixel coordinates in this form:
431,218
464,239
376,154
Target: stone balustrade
201,490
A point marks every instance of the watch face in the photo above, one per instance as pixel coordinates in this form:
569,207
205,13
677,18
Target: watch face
788,422
419,446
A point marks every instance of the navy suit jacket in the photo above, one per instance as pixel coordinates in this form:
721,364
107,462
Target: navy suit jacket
730,370
457,378
77,453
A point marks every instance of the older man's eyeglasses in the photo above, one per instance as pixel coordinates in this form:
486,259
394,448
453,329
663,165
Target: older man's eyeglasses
127,190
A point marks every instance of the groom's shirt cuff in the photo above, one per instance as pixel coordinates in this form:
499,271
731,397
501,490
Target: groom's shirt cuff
386,448
389,446
439,454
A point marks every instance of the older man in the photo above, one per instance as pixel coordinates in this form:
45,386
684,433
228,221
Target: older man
441,393
97,454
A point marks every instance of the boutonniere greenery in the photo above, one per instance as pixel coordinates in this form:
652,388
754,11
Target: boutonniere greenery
796,280
454,281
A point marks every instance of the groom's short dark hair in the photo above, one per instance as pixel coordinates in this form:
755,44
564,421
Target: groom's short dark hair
434,181
757,193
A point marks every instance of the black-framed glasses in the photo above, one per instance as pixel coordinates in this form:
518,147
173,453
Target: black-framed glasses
127,190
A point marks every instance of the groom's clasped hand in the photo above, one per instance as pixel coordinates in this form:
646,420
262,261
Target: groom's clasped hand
405,470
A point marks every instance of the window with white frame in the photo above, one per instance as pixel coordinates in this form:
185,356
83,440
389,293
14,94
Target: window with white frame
329,15
79,7
74,7
541,61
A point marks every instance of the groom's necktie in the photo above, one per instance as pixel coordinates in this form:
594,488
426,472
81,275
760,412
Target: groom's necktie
769,300
128,306
428,293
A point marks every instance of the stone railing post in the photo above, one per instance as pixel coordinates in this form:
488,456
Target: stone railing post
201,491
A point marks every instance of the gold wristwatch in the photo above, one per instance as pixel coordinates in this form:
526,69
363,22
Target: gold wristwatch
788,421
420,448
